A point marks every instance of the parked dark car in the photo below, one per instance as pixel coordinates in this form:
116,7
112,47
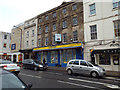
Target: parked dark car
11,81
34,64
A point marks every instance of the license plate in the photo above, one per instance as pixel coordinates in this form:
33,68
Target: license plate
12,70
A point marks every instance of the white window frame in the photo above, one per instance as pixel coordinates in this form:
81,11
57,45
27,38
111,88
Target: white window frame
92,9
75,20
46,28
75,36
64,37
46,41
54,27
64,24
93,32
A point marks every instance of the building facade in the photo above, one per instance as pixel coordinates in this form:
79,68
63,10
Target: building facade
102,33
5,39
60,34
30,37
17,34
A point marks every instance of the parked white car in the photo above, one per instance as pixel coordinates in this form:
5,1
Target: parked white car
84,67
10,66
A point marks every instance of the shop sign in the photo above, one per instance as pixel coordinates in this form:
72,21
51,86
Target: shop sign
58,37
59,46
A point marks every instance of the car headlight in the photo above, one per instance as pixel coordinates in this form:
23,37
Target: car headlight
40,65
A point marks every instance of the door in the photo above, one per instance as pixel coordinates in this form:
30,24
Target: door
85,68
75,66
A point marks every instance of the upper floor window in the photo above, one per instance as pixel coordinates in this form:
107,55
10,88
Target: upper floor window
39,42
5,36
32,42
117,28
32,32
64,10
75,36
5,45
74,6
27,34
46,28
46,41
75,21
40,20
93,30
53,39
54,15
54,26
116,4
46,17
64,24
65,37
92,9
40,30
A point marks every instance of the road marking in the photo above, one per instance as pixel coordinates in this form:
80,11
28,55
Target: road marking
75,84
105,84
30,75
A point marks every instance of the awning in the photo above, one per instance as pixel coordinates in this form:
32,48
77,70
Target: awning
110,51
65,46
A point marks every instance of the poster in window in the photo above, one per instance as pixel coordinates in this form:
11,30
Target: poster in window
116,59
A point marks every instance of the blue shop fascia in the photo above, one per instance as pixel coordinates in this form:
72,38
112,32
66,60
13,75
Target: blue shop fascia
59,55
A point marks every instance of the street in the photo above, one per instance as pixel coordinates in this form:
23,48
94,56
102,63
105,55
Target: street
57,79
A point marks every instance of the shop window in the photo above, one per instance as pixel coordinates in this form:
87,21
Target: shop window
54,57
69,54
64,56
74,54
104,59
116,59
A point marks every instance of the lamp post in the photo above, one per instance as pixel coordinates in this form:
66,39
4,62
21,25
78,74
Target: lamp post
20,36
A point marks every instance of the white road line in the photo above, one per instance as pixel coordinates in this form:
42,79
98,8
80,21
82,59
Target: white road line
105,84
30,75
75,84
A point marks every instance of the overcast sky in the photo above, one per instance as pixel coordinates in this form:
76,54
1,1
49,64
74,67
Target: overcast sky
13,12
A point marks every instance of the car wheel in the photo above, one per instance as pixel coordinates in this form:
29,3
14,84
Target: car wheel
94,74
69,72
35,68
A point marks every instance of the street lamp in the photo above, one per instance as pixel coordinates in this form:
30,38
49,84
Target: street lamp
20,36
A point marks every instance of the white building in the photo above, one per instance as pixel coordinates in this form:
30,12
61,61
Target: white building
5,39
102,33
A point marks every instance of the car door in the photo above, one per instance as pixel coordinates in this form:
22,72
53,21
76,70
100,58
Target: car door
84,69
75,66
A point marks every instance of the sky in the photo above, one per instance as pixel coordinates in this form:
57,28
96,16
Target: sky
14,12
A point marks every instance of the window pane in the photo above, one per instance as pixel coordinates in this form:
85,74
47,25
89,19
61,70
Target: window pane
104,59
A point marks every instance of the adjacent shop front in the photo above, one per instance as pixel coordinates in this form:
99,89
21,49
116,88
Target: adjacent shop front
108,58
59,55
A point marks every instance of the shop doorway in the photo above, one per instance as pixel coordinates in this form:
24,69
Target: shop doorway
14,58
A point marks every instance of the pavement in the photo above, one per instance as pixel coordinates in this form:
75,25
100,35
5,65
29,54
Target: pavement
109,74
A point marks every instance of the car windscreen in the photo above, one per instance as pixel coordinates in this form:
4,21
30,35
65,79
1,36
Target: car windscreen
93,63
7,62
11,81
37,62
